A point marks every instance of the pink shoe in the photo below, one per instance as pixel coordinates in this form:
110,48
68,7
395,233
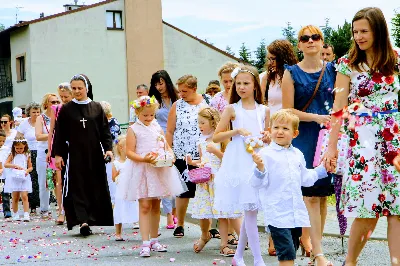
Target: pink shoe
236,262
171,226
156,246
145,252
175,219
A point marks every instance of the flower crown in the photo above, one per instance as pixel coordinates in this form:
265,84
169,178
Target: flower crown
238,70
143,101
20,140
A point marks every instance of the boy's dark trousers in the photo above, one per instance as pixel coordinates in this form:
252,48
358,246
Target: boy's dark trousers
6,204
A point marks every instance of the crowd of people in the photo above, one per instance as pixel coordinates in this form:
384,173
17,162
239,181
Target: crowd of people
246,145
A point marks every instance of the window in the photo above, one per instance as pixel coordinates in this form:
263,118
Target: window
114,20
21,73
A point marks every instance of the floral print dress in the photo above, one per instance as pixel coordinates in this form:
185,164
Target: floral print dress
371,186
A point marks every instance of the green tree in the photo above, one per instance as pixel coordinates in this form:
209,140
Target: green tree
260,54
341,39
327,31
290,35
2,27
245,54
396,29
228,49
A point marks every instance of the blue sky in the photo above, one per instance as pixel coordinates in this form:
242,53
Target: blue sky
226,22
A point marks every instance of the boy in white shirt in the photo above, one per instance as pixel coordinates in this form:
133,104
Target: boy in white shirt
280,173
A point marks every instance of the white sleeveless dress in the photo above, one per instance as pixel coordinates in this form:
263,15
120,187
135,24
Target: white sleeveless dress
125,212
13,184
233,189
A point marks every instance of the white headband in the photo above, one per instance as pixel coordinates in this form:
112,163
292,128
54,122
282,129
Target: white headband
84,79
237,70
20,140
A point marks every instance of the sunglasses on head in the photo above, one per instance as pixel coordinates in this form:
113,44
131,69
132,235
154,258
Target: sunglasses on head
55,102
306,38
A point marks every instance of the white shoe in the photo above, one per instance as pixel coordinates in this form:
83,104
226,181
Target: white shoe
26,217
45,214
16,217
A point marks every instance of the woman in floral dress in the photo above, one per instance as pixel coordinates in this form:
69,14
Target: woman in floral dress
368,77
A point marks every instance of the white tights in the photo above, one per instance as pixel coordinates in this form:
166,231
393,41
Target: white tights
249,233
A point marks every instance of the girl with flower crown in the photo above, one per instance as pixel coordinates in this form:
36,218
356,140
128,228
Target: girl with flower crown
143,178
232,182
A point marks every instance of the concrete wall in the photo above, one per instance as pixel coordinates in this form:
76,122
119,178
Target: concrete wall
80,43
144,41
186,55
20,44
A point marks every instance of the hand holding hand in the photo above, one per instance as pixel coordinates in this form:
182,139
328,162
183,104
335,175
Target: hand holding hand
330,159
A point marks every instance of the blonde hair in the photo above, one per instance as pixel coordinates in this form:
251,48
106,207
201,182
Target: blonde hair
120,140
211,115
106,107
228,67
45,101
313,29
64,87
286,115
189,80
147,102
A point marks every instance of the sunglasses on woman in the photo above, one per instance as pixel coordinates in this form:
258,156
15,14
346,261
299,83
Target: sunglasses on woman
4,122
55,102
306,38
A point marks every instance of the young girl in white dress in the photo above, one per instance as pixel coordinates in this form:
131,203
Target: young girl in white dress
232,182
145,143
18,179
125,212
203,204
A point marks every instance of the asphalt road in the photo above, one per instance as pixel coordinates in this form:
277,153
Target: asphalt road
40,242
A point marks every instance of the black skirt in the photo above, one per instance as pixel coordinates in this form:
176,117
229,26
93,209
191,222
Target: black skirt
181,165
323,189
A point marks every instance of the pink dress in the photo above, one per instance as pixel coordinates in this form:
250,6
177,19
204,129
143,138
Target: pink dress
143,180
219,102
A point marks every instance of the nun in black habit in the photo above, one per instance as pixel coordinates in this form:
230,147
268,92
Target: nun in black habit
83,125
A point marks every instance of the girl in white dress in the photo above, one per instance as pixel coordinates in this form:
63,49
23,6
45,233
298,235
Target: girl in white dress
18,179
232,182
125,212
203,208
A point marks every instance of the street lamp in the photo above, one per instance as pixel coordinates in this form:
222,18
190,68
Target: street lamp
16,13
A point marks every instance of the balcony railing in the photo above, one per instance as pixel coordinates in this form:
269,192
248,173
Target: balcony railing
6,88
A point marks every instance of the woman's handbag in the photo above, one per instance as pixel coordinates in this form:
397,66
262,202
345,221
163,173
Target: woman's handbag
342,146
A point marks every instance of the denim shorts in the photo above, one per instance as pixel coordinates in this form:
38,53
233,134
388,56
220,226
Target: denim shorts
286,241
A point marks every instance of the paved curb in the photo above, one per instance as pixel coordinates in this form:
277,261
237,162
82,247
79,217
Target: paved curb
261,228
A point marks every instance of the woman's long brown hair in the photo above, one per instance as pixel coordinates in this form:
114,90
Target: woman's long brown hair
234,96
384,55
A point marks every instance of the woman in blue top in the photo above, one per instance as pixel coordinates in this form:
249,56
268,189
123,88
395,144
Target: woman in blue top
298,85
163,89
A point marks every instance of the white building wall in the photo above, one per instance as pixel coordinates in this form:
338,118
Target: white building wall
80,43
186,55
20,44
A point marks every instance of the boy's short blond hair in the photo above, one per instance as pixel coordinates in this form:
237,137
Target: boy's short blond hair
286,115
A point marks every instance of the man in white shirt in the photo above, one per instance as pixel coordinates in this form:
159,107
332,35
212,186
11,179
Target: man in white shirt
280,173
141,90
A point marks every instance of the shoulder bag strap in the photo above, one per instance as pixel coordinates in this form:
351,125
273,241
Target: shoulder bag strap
316,89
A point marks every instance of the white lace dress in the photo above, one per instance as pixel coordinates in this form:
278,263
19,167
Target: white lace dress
203,202
233,189
18,184
125,212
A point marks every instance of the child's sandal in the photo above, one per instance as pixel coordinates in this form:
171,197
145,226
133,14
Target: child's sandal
232,241
226,251
200,244
179,232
